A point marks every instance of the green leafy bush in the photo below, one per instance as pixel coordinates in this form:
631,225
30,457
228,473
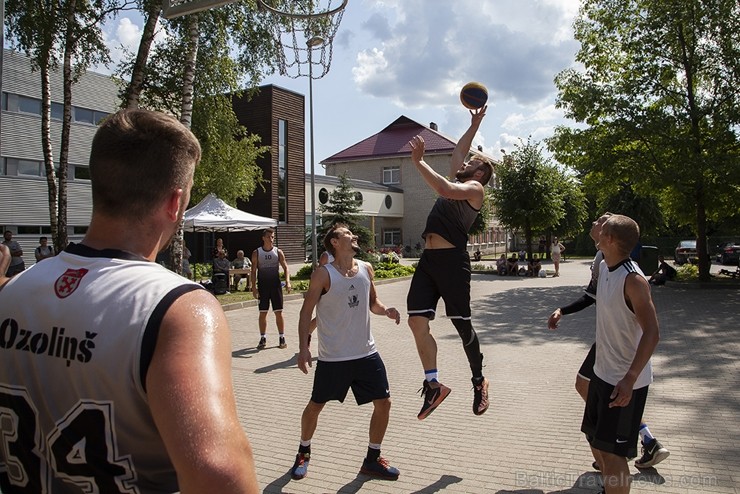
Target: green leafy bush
303,274
299,286
687,272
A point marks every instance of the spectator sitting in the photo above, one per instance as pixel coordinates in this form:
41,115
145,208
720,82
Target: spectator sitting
241,262
664,273
221,264
477,255
534,266
522,255
501,265
512,265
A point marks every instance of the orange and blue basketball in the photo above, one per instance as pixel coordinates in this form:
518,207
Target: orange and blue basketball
473,95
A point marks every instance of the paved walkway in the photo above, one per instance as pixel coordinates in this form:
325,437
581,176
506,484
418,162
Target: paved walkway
529,441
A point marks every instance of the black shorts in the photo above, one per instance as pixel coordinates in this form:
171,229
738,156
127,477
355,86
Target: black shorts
587,367
613,430
441,273
272,294
366,376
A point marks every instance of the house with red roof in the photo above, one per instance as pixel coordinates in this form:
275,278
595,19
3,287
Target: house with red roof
385,158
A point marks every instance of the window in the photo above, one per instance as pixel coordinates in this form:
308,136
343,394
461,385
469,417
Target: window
29,105
81,172
57,111
98,116
282,170
392,236
392,175
358,198
323,196
388,201
31,168
83,115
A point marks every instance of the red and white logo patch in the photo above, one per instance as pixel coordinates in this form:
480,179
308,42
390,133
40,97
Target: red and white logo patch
68,282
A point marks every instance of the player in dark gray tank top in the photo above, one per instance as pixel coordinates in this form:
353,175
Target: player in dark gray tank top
444,268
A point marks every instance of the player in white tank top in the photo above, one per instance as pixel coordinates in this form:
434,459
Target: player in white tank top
107,357
343,294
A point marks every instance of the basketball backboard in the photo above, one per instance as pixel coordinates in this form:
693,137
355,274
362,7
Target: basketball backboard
177,8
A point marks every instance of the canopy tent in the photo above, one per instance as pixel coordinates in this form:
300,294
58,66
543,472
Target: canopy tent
214,215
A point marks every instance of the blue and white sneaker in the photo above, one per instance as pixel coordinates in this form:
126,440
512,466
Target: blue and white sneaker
300,467
379,468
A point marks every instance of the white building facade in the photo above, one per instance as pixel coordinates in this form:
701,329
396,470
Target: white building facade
24,208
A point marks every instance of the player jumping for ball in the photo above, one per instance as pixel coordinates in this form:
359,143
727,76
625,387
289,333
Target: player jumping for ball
444,268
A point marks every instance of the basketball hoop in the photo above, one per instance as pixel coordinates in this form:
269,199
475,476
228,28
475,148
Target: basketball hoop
305,30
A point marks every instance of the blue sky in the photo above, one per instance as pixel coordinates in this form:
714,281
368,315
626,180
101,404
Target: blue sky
411,57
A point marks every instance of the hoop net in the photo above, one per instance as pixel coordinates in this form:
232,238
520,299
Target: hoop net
298,21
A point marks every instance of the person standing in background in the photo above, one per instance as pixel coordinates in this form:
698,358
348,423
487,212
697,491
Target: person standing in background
44,250
266,286
17,264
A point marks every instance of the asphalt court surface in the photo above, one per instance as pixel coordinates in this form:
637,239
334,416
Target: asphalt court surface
529,441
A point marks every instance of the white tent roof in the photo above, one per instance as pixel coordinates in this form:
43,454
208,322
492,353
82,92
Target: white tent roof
214,215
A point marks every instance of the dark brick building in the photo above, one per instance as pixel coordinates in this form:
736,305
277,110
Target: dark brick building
277,115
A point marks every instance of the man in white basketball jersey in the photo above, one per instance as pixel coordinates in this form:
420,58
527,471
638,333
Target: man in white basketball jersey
343,293
626,336
116,373
266,286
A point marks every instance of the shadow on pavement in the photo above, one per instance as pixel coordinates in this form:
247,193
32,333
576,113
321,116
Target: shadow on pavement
586,483
443,482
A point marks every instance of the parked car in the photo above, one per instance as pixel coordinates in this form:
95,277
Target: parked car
729,253
686,252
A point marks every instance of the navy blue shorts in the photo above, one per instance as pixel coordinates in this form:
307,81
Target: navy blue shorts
366,376
272,294
441,273
613,430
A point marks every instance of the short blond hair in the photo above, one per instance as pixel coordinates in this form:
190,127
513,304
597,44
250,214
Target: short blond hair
624,230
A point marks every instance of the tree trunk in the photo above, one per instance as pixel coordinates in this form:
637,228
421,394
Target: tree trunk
701,240
133,91
186,117
66,122
51,182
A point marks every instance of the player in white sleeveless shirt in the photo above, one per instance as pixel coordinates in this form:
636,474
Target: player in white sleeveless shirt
107,357
344,295
653,451
626,336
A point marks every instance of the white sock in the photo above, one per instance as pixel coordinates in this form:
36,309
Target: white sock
306,444
645,435
431,375
282,336
373,445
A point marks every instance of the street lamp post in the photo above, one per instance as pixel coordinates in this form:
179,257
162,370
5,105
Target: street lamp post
311,43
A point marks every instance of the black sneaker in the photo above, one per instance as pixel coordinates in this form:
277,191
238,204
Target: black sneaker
434,393
379,468
480,395
282,343
652,453
300,467
262,344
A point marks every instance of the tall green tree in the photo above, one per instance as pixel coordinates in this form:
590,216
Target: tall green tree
203,59
344,207
66,31
659,107
534,196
